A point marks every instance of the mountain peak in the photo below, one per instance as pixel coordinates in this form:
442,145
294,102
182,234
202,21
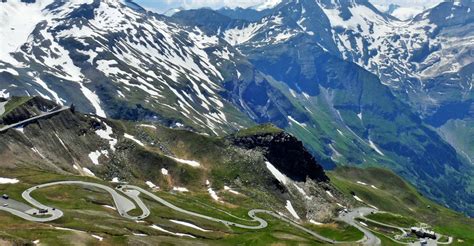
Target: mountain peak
455,12
268,4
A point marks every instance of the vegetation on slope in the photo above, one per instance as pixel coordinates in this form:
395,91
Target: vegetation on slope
393,194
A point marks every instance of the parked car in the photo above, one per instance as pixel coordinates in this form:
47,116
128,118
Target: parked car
5,196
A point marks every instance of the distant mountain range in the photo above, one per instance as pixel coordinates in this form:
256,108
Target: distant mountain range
356,85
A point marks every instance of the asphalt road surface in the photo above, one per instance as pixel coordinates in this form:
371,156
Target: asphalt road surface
429,241
350,216
44,114
125,196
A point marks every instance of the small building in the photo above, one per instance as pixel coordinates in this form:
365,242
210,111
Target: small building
423,233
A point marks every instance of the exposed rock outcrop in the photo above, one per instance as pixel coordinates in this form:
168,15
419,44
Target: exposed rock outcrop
287,154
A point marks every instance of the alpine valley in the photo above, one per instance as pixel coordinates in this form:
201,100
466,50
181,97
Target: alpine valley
297,122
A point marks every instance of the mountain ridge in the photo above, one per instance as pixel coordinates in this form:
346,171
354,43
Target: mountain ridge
287,51
281,69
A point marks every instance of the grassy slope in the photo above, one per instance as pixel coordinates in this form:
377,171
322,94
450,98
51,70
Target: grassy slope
460,133
393,219
84,212
394,195
208,151
259,129
15,102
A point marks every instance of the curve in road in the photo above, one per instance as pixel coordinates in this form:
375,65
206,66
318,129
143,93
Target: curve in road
349,218
124,205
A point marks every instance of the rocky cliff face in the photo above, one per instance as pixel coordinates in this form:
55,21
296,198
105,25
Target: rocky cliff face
33,107
318,76
287,154
71,143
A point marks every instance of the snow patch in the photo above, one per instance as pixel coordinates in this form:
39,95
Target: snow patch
88,171
187,162
20,129
213,194
358,199
189,225
315,222
8,181
303,125
109,207
329,193
151,185
4,94
94,156
148,126
172,233
301,190
34,149
372,206
290,209
268,4
107,135
374,147
227,188
98,238
277,174
128,136
94,100
10,71
180,189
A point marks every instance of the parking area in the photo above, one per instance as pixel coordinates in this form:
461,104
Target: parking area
11,203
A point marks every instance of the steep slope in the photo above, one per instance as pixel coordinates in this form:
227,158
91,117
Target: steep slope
132,64
267,171
114,59
426,60
390,193
343,113
260,167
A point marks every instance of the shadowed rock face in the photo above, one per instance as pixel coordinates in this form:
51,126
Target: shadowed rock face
31,108
287,154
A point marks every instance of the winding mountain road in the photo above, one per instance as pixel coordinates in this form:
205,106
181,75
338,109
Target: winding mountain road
122,195
349,218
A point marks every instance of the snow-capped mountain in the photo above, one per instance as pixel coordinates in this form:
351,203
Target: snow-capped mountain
307,51
426,61
435,42
402,13
300,64
109,56
404,54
